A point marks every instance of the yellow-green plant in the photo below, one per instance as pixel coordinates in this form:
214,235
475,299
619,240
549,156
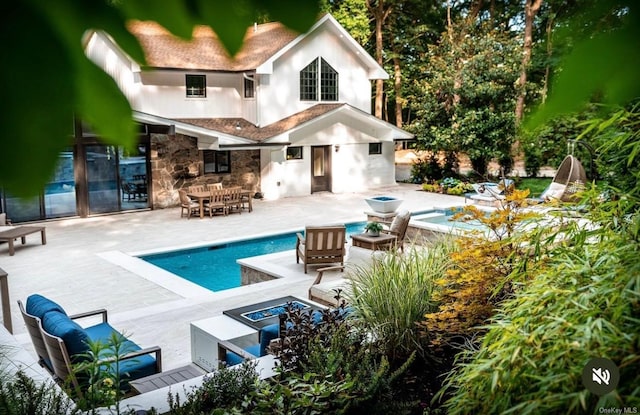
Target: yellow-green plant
482,264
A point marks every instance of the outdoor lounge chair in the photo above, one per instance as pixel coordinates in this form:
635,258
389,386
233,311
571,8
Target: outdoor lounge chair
66,342
4,221
321,245
398,228
337,279
490,191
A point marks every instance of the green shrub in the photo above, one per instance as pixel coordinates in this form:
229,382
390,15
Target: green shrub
329,367
20,395
221,390
392,295
428,187
585,305
100,383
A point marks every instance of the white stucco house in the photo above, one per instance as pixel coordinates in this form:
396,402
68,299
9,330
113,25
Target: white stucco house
290,115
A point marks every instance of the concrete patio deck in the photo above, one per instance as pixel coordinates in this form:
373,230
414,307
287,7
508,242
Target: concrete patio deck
86,263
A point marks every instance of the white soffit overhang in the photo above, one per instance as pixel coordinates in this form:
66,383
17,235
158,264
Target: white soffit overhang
207,139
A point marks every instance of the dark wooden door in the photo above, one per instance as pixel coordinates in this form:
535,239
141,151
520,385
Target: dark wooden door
320,169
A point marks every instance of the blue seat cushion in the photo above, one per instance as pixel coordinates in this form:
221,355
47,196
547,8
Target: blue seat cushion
38,306
128,369
267,334
76,340
75,337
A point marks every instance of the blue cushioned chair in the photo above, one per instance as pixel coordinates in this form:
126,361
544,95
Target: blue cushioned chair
65,343
37,306
232,354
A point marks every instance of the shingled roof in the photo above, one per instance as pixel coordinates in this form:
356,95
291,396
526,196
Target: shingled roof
259,134
204,51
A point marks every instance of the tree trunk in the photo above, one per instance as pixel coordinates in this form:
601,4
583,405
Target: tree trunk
397,86
531,8
547,69
380,14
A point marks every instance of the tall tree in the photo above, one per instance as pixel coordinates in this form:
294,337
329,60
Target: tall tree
380,10
467,95
412,27
353,15
531,8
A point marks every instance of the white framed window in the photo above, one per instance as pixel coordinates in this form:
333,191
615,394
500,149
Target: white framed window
375,148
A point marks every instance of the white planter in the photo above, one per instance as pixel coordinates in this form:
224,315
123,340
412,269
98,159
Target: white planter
384,204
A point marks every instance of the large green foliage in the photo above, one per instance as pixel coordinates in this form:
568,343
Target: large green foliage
585,304
602,62
47,78
467,95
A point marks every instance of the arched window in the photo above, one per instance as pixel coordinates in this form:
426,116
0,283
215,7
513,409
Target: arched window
322,88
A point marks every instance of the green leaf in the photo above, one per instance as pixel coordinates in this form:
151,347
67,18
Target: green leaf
103,106
603,65
37,89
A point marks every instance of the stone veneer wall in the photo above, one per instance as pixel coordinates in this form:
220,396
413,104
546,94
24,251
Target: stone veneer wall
250,276
177,163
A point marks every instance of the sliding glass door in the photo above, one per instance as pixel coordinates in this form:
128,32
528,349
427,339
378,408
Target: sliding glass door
56,200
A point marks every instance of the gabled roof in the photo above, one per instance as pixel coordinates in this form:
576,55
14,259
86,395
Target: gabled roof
240,127
205,52
263,44
230,133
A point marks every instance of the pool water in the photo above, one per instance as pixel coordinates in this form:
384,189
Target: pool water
214,267
444,217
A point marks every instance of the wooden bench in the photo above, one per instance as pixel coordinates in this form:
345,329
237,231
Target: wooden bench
21,232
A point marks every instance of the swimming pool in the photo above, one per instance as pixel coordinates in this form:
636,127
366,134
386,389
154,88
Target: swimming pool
214,267
439,220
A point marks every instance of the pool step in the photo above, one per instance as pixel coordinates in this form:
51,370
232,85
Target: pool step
432,215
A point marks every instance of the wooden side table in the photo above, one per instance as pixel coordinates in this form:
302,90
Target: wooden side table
168,378
367,241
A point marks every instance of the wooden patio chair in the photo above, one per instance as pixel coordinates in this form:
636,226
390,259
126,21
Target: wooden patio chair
33,328
321,245
197,188
233,199
398,228
216,202
214,186
187,205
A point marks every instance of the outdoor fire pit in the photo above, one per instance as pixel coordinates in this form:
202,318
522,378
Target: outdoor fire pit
384,204
265,313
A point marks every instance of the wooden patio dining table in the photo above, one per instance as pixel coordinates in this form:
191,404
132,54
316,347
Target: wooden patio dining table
201,197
